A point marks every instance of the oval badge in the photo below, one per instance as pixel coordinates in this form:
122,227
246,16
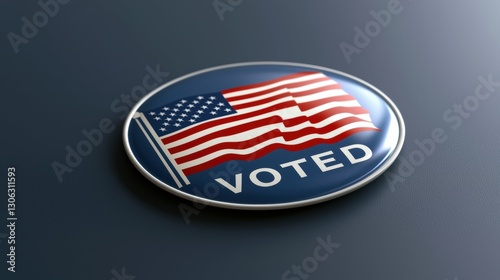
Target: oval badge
263,135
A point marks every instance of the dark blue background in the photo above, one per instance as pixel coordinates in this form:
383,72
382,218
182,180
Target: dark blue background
442,222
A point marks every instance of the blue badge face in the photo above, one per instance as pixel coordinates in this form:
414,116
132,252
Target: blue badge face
263,135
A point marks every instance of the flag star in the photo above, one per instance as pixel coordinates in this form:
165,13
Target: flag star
162,129
191,120
162,114
204,107
172,114
190,105
178,105
227,110
196,116
220,104
165,123
157,118
177,125
212,97
176,110
209,102
152,113
180,120
213,112
183,115
216,108
166,108
187,110
168,119
200,97
196,102
199,112
183,101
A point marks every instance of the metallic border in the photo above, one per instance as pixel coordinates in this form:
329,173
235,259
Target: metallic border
310,201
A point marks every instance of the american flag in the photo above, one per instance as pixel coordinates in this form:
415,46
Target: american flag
292,112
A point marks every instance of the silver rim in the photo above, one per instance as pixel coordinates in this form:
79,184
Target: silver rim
310,201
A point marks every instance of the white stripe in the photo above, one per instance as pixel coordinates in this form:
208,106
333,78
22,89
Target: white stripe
334,104
293,90
267,105
312,86
278,140
270,86
349,103
320,95
250,134
264,96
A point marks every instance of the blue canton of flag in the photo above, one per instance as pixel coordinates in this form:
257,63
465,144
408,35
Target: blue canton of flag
188,111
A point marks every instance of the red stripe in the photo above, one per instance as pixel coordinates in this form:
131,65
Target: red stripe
275,133
239,129
291,85
231,118
268,149
291,76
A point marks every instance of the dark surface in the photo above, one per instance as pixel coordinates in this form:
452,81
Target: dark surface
442,222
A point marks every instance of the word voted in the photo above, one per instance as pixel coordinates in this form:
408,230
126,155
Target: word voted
324,161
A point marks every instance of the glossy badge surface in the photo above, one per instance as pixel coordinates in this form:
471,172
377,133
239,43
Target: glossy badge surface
263,135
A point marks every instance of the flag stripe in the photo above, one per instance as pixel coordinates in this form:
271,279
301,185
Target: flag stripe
288,136
319,117
331,90
245,99
274,146
241,95
233,131
246,132
312,94
297,77
330,102
261,101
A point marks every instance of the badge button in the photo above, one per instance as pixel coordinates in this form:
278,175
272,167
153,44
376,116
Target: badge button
263,135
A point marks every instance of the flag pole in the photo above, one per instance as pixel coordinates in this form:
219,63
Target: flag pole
165,151
141,116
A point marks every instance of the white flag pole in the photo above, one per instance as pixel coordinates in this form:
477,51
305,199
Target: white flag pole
167,154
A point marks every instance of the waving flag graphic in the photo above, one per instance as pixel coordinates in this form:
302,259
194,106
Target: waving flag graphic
293,112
